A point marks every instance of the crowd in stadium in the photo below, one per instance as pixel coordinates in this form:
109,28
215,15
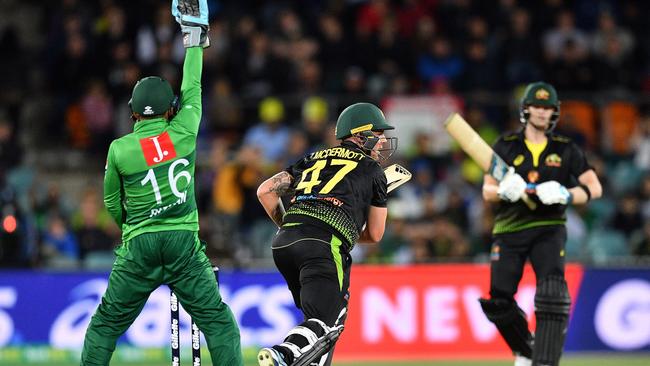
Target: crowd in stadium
276,77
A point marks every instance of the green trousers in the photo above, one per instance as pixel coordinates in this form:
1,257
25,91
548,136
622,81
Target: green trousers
176,258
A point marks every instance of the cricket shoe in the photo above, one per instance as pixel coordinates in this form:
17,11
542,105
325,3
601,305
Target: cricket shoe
521,361
270,357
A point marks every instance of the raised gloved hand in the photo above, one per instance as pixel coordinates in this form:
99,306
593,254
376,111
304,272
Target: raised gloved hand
511,187
192,15
552,192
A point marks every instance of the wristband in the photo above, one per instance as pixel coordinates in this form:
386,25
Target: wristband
587,191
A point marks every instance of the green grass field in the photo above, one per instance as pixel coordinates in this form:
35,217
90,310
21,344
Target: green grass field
570,360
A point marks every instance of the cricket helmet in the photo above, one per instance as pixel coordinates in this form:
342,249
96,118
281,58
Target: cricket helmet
361,119
543,95
152,96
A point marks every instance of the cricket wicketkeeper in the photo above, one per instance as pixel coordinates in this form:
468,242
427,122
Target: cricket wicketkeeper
149,192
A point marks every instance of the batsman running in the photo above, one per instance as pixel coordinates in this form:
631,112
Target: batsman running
553,172
149,192
334,193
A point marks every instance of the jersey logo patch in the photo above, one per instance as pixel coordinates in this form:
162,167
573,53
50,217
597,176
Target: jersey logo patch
157,149
542,94
553,160
495,252
518,160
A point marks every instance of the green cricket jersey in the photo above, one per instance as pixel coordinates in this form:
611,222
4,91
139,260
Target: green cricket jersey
149,179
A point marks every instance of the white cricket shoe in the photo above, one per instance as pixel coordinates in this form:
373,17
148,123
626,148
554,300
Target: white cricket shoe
519,361
270,357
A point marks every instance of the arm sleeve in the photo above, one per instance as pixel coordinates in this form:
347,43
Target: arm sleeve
189,115
113,189
578,164
379,186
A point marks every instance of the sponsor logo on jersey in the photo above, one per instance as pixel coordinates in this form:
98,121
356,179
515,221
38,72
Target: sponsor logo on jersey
518,160
495,253
553,160
533,177
333,200
157,149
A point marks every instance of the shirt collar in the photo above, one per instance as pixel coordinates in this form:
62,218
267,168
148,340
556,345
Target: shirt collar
350,145
149,123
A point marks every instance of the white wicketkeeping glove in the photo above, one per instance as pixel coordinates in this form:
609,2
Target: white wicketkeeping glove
552,192
512,187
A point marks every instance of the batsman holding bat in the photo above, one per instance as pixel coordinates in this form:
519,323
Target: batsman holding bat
149,191
334,193
554,172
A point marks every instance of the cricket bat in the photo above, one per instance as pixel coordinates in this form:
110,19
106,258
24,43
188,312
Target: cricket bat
396,175
480,151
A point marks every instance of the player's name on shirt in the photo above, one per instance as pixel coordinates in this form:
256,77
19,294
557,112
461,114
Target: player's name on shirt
337,152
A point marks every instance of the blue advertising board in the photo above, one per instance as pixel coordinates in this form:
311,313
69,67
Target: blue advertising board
612,312
55,309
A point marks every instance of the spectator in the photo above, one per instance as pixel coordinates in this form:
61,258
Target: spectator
627,218
150,36
641,142
224,111
315,116
615,68
332,52
439,63
520,50
263,73
608,29
572,69
10,149
270,135
97,110
644,197
91,223
640,242
58,241
565,31
480,72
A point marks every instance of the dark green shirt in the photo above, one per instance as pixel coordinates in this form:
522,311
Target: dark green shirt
149,179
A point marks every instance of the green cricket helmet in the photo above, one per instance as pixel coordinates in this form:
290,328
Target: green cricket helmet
152,96
543,95
361,119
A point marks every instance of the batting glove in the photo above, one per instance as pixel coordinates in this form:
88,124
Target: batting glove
511,187
552,192
192,15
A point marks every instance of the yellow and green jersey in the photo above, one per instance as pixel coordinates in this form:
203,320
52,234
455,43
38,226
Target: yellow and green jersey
149,179
334,189
557,159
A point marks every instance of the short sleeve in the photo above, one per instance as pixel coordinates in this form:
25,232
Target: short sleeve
295,167
578,163
379,186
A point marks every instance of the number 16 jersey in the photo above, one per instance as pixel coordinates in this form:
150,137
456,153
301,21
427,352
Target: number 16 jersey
334,189
149,178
